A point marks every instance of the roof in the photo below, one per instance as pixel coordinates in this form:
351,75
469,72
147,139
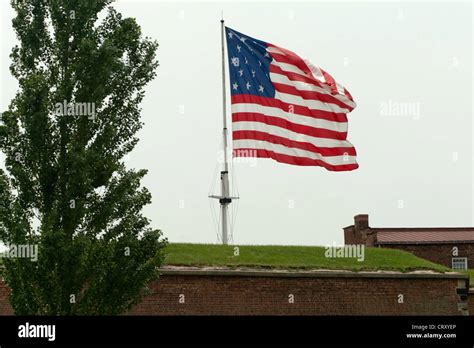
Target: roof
425,235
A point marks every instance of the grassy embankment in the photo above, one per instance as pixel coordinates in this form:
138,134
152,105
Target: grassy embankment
293,257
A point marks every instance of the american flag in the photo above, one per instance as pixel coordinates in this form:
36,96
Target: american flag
285,108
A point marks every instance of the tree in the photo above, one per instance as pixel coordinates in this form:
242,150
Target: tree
64,136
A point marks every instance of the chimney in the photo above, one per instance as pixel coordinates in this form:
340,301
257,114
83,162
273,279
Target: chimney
361,222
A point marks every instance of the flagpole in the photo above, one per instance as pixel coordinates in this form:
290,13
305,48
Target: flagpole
225,198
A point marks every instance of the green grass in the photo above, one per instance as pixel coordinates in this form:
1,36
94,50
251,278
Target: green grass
470,273
293,257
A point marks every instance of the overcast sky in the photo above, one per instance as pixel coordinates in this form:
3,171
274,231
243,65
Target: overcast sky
416,165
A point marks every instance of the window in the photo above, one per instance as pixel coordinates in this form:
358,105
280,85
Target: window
459,262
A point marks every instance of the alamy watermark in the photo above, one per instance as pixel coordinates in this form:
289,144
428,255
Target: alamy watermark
355,251
25,251
398,108
28,330
75,109
239,156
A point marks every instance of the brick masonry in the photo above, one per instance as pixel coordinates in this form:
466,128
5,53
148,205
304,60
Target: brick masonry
442,253
317,293
470,301
438,253
225,292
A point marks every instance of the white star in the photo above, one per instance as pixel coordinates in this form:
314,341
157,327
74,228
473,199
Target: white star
253,73
235,86
243,39
241,72
248,85
267,55
260,89
246,61
235,61
238,48
259,63
231,35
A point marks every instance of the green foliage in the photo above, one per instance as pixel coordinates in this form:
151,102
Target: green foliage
66,187
288,257
470,273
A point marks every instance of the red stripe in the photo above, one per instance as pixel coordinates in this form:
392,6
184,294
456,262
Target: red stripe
330,81
290,58
295,109
348,95
309,95
294,76
300,65
324,151
298,161
310,80
282,123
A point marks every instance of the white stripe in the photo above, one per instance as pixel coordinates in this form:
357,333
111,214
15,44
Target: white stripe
264,145
285,133
309,103
299,85
291,117
343,98
288,67
340,88
317,73
304,86
272,49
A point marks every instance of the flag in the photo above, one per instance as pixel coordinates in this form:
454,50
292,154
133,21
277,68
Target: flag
285,108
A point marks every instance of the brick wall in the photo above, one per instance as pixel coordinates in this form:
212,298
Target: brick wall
470,301
362,233
322,293
352,235
224,292
439,253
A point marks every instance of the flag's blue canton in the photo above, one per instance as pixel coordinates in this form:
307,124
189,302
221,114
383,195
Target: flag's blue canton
249,65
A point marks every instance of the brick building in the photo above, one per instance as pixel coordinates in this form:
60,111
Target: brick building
450,246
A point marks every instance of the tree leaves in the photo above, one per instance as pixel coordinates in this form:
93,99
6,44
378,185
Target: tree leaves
66,187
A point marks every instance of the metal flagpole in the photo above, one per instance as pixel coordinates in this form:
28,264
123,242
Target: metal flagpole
224,199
